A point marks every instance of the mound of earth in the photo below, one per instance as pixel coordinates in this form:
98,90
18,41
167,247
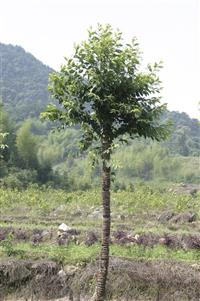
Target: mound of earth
128,280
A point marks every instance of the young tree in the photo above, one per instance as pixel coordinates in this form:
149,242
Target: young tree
101,89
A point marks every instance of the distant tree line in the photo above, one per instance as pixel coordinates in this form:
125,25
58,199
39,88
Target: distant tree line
33,154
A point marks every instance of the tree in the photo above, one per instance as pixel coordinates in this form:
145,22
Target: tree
101,88
27,146
2,144
7,135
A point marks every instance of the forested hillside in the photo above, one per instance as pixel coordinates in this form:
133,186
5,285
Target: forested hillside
185,135
23,85
23,82
33,154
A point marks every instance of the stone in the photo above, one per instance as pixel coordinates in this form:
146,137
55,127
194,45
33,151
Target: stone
64,228
136,237
162,241
61,273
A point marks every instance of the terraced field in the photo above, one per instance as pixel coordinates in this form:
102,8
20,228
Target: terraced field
151,228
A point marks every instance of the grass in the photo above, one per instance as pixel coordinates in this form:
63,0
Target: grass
142,198
47,208
157,252
81,254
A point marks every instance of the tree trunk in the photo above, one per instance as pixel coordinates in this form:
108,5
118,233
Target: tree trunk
104,254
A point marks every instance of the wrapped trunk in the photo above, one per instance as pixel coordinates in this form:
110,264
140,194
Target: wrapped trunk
104,254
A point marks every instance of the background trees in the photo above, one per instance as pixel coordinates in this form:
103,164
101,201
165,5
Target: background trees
27,146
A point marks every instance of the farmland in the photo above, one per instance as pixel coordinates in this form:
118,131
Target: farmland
159,226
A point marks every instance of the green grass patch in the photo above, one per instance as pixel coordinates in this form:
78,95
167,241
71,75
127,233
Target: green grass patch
80,254
157,252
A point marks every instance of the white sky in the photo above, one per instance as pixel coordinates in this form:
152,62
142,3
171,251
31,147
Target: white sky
167,30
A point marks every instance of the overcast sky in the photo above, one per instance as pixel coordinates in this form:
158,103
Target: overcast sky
167,30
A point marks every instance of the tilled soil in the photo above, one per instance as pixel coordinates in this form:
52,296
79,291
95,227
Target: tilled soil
149,239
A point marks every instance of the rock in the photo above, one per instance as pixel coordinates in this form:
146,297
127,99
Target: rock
70,270
62,273
136,237
162,241
64,228
66,234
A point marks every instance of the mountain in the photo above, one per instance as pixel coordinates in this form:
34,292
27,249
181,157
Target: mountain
185,136
23,86
23,82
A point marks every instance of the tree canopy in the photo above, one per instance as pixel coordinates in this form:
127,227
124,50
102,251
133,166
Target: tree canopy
102,89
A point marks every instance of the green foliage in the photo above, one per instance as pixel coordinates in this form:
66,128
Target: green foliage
19,178
147,161
7,245
24,83
2,138
185,137
27,146
7,135
102,89
58,146
144,199
136,162
9,249
157,252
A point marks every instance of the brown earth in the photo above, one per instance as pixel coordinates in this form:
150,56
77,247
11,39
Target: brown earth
148,239
129,280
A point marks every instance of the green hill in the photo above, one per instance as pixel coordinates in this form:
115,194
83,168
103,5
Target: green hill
23,85
23,82
185,136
